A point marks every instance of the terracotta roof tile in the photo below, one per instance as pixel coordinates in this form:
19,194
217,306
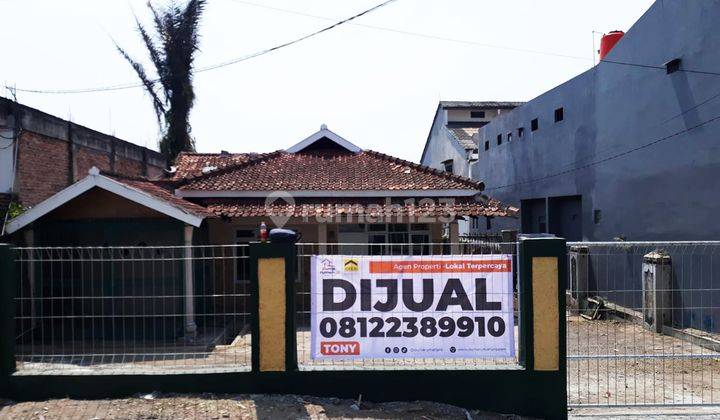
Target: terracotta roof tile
190,165
367,170
163,191
330,207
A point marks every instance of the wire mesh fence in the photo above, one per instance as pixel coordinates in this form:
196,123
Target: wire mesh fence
305,251
139,309
642,323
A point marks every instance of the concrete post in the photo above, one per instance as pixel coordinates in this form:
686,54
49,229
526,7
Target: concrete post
454,238
543,273
190,326
322,238
578,289
8,274
273,294
657,285
29,236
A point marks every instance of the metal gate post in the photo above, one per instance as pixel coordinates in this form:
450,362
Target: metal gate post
8,283
273,296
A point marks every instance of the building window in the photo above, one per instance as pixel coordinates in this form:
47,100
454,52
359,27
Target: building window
499,139
477,114
534,124
559,114
521,131
487,144
509,137
448,165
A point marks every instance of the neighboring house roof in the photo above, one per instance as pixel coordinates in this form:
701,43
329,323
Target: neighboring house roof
480,104
323,175
143,192
330,171
332,207
464,136
464,104
163,191
189,165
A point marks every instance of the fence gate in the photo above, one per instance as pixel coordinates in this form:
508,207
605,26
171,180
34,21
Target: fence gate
643,323
131,310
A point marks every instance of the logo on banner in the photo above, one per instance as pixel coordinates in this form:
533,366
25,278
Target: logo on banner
340,348
351,264
327,266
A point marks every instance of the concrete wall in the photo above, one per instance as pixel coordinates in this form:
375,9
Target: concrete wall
442,146
658,192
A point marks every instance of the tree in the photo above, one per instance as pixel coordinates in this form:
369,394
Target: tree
172,51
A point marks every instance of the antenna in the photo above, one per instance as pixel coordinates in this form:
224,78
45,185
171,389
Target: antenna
594,51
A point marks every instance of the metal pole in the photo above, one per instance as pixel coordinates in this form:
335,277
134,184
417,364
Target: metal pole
190,326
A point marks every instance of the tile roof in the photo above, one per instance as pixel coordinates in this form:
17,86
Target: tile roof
164,191
329,207
190,165
464,136
366,170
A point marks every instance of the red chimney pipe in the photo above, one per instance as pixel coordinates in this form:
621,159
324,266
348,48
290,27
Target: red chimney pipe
608,41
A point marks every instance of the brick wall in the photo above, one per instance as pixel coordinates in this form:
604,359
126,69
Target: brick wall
129,167
42,167
44,153
87,158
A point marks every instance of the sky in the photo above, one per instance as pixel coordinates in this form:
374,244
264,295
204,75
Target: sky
377,88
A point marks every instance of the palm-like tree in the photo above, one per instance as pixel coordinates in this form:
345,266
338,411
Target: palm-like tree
171,50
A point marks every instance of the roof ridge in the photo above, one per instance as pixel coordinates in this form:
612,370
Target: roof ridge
477,184
259,157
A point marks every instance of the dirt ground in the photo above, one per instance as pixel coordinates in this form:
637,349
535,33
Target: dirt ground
613,362
210,406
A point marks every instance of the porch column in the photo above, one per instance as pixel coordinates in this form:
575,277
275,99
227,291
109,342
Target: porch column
454,238
322,237
29,235
190,326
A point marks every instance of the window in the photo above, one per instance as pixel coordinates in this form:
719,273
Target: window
559,114
509,137
487,144
521,131
477,114
499,139
672,66
534,125
448,165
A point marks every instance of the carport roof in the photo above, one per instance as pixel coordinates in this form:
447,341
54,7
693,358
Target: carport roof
149,194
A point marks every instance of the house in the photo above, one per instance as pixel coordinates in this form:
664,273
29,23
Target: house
325,187
41,154
450,145
625,149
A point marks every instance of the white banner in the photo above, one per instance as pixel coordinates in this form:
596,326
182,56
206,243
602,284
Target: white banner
412,306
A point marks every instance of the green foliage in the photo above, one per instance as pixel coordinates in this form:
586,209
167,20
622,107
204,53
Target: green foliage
172,51
15,209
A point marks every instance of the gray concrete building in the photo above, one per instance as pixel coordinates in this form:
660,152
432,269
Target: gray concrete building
626,150
450,146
